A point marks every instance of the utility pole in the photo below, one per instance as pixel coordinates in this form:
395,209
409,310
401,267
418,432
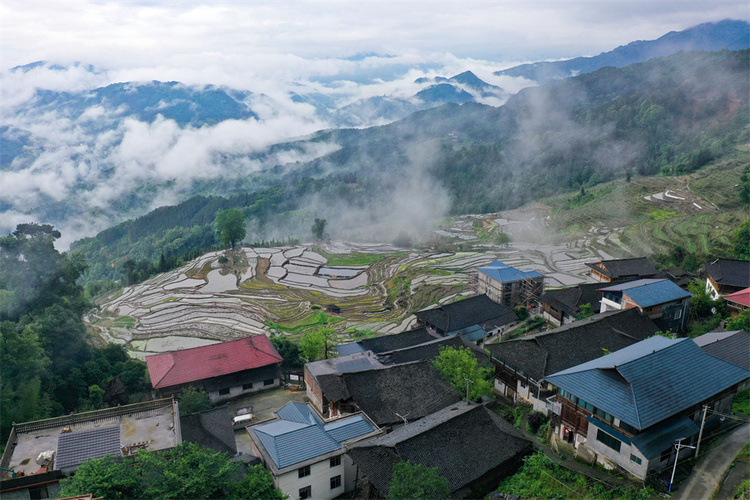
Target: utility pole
467,387
700,434
677,445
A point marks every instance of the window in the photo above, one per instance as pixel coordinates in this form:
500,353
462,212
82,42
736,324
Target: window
608,440
603,415
628,428
336,461
335,482
304,471
269,381
678,314
635,459
224,392
305,492
246,387
38,493
586,405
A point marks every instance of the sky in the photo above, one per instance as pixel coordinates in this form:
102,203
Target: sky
239,42
348,50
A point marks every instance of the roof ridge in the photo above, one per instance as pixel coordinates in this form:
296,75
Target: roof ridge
169,356
275,353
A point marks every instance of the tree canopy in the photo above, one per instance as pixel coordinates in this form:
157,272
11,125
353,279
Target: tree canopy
317,343
318,228
461,369
185,471
417,482
230,226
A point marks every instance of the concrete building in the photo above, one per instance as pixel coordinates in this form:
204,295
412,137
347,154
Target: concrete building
40,453
661,300
306,454
509,286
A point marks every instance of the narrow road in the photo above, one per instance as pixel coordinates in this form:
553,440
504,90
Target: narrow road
705,480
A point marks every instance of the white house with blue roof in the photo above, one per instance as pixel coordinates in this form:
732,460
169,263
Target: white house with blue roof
659,299
507,285
305,454
631,406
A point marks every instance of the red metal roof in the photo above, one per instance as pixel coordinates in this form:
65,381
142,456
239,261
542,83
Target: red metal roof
199,363
742,297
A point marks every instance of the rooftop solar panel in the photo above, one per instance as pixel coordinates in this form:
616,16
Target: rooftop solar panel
74,448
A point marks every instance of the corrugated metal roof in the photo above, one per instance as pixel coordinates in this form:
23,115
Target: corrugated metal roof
658,438
299,434
649,381
199,363
742,297
504,273
74,448
351,348
648,292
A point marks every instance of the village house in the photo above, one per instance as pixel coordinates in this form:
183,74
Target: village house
630,407
386,343
738,302
522,365
40,453
473,318
561,306
225,370
661,300
469,445
509,286
306,453
390,396
726,276
606,271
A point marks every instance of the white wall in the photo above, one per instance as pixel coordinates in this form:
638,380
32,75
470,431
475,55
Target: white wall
235,391
319,480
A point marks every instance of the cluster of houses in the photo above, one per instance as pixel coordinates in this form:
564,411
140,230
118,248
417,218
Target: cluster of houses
614,389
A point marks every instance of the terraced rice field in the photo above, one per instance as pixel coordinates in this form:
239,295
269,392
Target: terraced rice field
285,290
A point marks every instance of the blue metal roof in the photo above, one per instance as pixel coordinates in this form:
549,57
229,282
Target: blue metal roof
348,428
351,348
658,438
299,434
648,292
471,333
651,380
504,273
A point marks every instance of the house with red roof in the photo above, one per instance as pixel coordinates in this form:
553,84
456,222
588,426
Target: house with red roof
738,302
224,370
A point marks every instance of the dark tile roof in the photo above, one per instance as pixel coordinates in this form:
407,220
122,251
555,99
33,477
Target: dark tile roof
387,343
571,299
648,382
733,347
555,350
463,441
729,272
430,350
411,390
474,310
622,268
211,429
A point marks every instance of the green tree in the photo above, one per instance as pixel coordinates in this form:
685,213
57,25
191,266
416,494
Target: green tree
417,482
318,228
193,400
461,369
230,227
741,322
741,248
317,343
288,350
584,311
185,471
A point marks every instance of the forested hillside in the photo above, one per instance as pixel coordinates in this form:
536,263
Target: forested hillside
48,365
667,116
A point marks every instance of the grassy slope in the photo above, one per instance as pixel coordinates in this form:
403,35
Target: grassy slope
648,227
